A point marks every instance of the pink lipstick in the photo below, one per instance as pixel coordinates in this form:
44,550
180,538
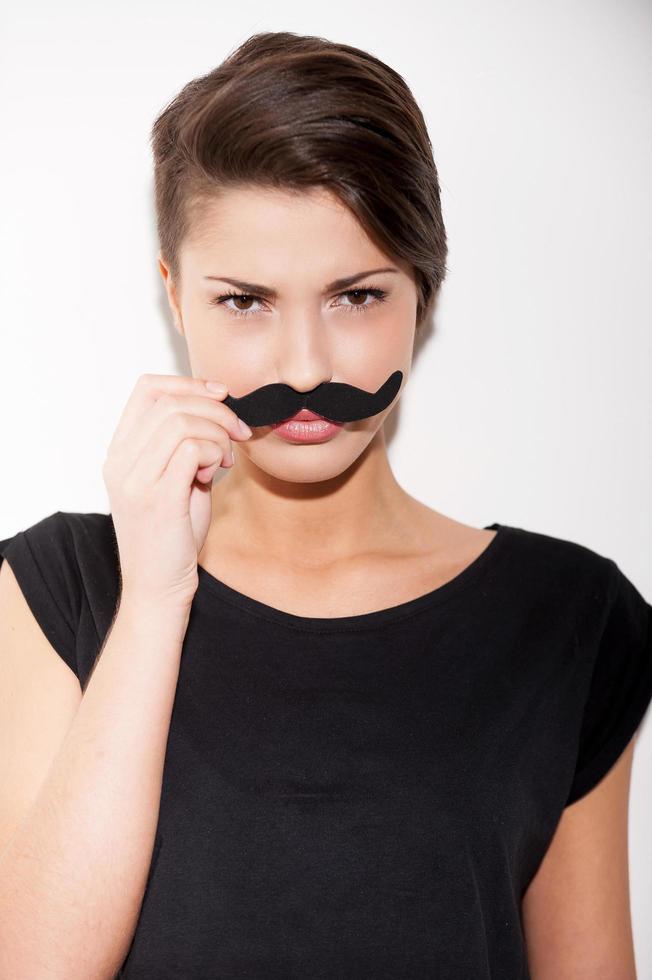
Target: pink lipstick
306,426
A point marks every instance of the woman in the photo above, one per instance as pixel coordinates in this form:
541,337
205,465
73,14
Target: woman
331,732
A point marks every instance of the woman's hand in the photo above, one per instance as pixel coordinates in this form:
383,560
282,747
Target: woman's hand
159,467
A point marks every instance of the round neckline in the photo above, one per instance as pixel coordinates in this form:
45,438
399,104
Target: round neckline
377,617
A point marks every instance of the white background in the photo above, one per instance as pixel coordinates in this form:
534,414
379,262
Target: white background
529,404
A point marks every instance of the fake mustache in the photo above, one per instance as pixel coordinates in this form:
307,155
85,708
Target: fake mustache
334,400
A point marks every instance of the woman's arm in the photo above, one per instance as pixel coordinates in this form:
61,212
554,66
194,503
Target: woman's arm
73,873
576,910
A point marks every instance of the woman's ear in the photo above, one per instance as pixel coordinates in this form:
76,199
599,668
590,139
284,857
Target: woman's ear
170,289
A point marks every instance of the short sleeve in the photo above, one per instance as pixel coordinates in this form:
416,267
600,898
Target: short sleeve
42,558
620,688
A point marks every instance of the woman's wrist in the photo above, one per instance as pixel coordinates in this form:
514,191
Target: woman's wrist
155,613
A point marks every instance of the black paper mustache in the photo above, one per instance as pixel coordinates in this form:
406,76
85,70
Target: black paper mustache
334,400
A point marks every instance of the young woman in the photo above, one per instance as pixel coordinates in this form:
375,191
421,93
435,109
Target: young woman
295,723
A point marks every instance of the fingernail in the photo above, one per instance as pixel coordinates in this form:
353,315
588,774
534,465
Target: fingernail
244,428
216,386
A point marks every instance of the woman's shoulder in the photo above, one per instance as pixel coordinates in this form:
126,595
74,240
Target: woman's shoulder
71,550
529,555
561,558
67,567
93,528
564,581
528,563
66,526
90,535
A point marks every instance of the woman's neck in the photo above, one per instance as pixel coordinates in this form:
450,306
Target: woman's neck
315,524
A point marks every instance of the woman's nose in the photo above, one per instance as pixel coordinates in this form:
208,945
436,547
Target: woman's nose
304,357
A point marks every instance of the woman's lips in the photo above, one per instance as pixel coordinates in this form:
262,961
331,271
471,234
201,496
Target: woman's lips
306,426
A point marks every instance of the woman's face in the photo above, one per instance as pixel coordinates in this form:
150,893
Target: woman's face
298,331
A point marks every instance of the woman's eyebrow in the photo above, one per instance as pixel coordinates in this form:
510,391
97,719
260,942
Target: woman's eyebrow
253,287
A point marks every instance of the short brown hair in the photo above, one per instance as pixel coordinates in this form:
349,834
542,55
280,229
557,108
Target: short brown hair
292,111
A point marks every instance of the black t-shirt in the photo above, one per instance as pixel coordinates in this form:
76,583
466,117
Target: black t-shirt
366,796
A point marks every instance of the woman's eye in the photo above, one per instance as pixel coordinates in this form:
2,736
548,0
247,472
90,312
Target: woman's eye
378,296
236,297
